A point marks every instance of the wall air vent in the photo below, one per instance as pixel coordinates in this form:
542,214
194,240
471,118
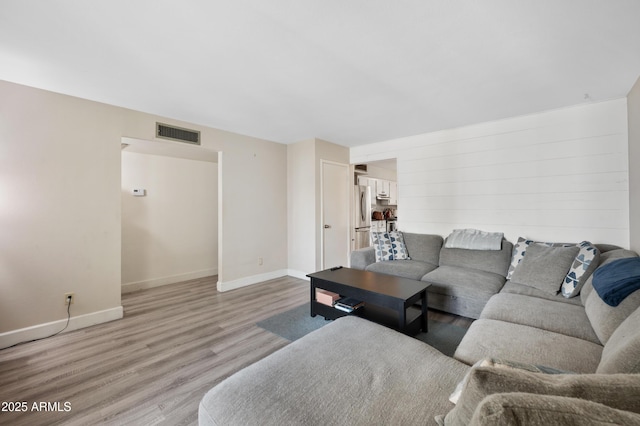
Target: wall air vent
173,133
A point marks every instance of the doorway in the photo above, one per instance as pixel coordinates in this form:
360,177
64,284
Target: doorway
169,213
335,214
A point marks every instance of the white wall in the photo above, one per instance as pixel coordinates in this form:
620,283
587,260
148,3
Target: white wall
171,234
633,105
560,175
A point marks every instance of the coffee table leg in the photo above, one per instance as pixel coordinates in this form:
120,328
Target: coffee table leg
423,319
312,297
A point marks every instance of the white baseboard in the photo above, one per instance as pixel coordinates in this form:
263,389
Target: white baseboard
157,282
39,331
298,274
254,279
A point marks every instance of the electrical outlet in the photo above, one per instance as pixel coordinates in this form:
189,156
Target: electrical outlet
69,295
259,261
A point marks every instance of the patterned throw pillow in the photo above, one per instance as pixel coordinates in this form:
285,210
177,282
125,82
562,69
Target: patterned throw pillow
399,247
389,246
584,264
381,242
518,253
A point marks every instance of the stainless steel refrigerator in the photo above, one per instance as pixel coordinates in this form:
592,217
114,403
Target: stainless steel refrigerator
363,216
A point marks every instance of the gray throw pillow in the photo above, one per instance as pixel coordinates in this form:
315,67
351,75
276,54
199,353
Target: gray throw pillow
619,391
505,409
544,268
502,363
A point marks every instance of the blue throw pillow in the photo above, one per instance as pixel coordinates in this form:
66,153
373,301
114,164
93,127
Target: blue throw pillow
616,280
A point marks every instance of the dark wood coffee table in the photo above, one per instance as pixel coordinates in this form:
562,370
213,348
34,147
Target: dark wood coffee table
389,300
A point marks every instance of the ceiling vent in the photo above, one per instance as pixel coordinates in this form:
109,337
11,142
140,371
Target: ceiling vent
173,133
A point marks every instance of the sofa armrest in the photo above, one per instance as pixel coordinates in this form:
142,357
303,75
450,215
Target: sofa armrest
362,258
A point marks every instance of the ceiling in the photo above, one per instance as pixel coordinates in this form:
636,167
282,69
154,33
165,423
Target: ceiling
350,72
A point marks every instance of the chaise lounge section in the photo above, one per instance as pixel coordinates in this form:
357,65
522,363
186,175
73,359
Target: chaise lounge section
350,371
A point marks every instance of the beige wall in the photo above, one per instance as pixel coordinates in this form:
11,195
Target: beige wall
301,207
60,207
253,178
170,234
305,204
633,112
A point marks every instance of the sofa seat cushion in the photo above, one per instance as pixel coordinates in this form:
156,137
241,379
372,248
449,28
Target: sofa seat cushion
350,371
413,269
488,338
568,319
461,291
464,282
515,288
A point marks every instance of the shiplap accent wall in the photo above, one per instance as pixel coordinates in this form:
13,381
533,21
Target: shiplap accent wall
559,175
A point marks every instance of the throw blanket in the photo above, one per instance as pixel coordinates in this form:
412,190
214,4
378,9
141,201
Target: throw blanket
616,280
474,239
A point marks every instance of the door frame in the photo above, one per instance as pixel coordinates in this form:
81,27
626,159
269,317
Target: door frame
347,237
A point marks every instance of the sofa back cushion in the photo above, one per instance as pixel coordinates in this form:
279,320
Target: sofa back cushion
605,258
621,354
604,318
544,268
423,247
496,261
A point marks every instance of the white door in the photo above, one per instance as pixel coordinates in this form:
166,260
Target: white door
335,214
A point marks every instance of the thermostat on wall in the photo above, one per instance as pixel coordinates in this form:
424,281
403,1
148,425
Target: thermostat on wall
139,192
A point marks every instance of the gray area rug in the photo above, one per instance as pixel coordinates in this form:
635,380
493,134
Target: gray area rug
296,322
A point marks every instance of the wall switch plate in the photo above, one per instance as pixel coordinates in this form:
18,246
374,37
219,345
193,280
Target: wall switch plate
139,192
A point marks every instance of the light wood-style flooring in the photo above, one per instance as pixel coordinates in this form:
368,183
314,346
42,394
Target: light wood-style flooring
154,365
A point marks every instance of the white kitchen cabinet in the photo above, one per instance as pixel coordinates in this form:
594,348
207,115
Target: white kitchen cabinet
393,193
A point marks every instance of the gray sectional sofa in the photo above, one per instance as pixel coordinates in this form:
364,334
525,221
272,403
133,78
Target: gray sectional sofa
352,371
